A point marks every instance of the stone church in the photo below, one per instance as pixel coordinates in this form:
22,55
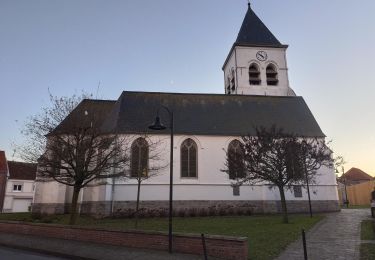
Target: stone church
256,93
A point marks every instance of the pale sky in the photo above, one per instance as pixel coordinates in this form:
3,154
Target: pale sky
180,46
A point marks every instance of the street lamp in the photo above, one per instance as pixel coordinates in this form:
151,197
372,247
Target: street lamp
158,126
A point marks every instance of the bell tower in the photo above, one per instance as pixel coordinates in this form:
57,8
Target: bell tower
256,63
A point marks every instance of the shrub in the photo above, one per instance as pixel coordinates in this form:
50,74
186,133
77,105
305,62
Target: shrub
181,212
192,212
36,215
212,211
230,211
163,212
222,211
202,212
248,212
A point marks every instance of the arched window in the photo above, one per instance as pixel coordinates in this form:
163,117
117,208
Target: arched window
271,74
189,164
236,160
254,74
139,158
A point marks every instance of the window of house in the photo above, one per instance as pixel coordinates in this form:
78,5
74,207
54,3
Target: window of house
272,77
189,166
254,74
297,191
139,158
17,187
236,190
235,160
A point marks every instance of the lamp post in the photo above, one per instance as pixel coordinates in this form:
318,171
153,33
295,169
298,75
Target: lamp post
158,126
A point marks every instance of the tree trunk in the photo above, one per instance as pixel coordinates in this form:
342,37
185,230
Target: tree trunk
137,205
283,205
73,207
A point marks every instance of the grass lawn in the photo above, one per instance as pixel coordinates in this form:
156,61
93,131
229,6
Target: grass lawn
368,230
267,236
367,251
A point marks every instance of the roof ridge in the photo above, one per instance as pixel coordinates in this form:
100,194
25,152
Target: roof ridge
98,100
205,94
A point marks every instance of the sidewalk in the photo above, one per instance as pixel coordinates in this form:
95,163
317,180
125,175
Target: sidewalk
67,249
336,237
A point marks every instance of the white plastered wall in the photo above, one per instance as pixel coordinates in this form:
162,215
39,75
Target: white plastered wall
27,193
211,183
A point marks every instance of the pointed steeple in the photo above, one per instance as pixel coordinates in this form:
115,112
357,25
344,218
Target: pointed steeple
253,32
256,63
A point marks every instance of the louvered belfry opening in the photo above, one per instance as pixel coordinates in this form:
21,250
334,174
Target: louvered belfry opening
232,81
271,73
254,74
189,159
228,85
235,160
139,158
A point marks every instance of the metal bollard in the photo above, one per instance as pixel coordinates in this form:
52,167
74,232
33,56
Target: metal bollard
204,247
304,244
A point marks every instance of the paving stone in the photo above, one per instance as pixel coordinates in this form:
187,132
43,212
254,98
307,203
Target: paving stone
336,237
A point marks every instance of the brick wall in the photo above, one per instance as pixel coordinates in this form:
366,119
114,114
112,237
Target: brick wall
217,246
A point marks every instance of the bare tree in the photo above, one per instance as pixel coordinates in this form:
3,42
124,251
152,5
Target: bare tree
313,154
274,158
70,146
79,153
38,126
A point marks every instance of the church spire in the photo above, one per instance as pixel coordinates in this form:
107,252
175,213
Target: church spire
254,32
256,63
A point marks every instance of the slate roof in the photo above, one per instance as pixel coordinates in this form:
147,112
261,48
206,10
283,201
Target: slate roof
255,33
211,114
89,111
22,170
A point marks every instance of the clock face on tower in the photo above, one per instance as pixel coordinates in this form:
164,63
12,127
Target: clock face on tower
261,55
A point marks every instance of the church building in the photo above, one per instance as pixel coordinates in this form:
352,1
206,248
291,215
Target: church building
256,94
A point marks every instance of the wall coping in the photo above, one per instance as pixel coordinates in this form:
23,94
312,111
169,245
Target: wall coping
147,232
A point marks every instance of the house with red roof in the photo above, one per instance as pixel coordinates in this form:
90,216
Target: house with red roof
19,186
355,176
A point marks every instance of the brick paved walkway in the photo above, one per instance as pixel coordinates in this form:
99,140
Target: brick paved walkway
337,237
